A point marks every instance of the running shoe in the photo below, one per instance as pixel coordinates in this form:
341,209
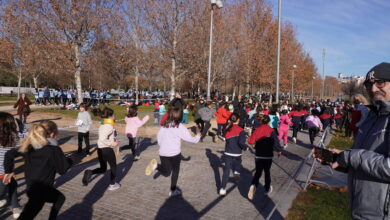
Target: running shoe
152,166
175,192
267,193
87,177
251,192
114,186
222,192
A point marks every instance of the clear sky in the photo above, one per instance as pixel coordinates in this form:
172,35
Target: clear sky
355,33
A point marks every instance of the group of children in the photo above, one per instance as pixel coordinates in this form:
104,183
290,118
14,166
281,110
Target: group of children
265,129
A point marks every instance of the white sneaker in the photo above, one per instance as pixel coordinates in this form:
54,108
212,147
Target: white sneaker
251,192
222,192
175,192
16,212
294,140
3,202
267,193
114,186
152,166
137,158
285,146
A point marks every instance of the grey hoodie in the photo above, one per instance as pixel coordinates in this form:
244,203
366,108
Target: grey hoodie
206,113
368,165
86,120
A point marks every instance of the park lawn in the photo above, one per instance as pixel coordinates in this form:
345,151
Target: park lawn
14,98
323,203
119,111
7,103
320,203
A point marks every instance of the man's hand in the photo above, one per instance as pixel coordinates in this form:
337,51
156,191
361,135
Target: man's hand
115,144
7,178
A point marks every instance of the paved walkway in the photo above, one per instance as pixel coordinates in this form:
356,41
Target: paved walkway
143,197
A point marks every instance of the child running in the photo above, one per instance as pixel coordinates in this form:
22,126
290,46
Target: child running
132,125
265,140
84,123
235,143
106,143
314,124
283,128
42,160
169,139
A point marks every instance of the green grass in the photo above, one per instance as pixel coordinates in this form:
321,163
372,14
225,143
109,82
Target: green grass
341,142
320,204
14,98
7,103
323,203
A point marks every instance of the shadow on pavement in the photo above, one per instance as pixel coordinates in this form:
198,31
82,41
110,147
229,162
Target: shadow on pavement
176,207
215,164
84,209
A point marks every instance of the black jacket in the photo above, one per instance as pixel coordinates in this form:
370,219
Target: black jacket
235,140
40,165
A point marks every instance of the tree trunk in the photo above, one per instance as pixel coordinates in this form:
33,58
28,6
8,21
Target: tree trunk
19,81
136,84
35,79
174,45
77,74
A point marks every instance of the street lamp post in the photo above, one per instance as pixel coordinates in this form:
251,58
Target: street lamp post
278,56
292,82
218,4
312,88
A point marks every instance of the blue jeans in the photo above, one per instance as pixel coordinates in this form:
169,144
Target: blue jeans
231,163
11,189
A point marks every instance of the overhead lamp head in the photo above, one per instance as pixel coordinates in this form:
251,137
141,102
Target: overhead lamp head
219,3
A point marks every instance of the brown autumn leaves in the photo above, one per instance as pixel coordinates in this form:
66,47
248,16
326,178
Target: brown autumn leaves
150,44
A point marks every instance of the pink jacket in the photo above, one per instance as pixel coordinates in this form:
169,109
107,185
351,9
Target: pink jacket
284,122
132,125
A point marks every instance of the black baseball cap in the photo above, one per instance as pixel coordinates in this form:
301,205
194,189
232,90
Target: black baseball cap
380,71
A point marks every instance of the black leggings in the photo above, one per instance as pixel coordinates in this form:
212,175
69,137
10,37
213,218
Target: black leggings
106,155
313,131
200,123
263,164
84,136
295,130
132,145
206,128
38,195
221,129
168,165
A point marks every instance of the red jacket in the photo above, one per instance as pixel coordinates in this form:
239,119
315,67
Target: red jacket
222,115
325,116
262,132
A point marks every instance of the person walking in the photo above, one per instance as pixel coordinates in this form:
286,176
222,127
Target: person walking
222,115
84,123
169,139
23,107
133,123
106,142
265,141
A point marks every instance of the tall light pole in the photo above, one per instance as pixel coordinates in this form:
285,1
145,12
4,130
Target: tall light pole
292,82
312,88
323,74
218,4
278,58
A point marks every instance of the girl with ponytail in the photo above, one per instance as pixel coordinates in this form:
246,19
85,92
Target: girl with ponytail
235,137
42,160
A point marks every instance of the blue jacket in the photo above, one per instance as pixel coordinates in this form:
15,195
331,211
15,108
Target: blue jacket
235,140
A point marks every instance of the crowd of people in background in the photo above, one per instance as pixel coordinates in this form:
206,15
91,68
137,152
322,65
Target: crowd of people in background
242,123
